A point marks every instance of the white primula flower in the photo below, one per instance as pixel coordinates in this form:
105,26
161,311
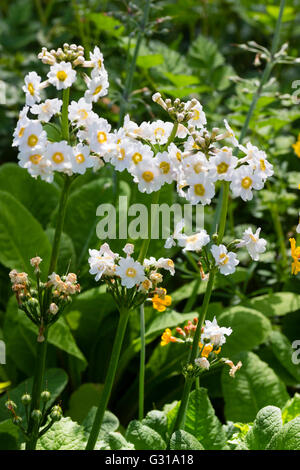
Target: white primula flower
194,164
81,159
22,123
159,131
43,169
29,158
243,181
226,261
148,176
177,234
97,62
60,154
201,189
150,262
32,88
167,264
120,151
194,242
101,263
99,137
128,249
202,362
61,75
253,243
165,166
33,136
262,168
214,333
97,87
46,110
199,118
230,134
130,127
79,111
182,131
222,165
175,155
141,153
131,272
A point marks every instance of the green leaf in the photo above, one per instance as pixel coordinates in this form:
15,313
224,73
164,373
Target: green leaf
116,441
148,61
63,435
9,435
83,399
202,422
277,304
283,351
143,437
168,319
203,52
40,198
291,409
249,329
55,380
267,423
288,438
110,422
182,440
157,420
66,257
21,236
254,387
107,24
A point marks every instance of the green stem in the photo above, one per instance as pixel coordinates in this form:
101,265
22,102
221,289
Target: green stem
40,11
113,363
280,234
142,363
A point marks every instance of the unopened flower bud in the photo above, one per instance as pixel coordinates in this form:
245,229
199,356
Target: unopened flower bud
45,396
56,413
26,399
53,309
10,405
36,415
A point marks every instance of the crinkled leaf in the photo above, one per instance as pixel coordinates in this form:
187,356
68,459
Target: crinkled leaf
182,440
283,351
143,437
267,423
291,409
288,438
157,420
63,435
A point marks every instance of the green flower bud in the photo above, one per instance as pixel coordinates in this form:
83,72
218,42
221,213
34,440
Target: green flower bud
36,415
215,237
45,396
26,399
56,413
10,405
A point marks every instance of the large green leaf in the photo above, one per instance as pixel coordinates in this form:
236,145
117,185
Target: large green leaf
249,329
21,236
288,438
143,437
39,197
202,422
182,440
83,399
254,387
63,435
283,351
55,381
157,420
276,304
9,435
267,423
291,409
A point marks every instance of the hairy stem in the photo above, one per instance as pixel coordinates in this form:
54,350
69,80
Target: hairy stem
142,363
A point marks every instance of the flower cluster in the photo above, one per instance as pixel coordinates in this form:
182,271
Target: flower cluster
218,255
195,162
44,302
212,339
44,147
129,281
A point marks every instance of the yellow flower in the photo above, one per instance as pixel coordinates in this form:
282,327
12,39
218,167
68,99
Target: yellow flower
161,301
206,350
295,253
296,147
167,337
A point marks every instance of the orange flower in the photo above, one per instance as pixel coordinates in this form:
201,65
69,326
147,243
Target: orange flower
161,301
167,337
295,253
206,350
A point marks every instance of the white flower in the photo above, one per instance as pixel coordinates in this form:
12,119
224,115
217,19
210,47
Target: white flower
214,333
194,164
148,176
130,127
97,62
31,88
30,158
60,154
128,249
140,154
102,262
199,118
202,362
23,121
159,131
182,131
253,243
131,272
61,75
98,133
79,111
165,166
97,87
121,150
243,181
150,262
167,264
53,308
33,136
81,159
43,169
194,242
222,165
177,234
230,134
226,261
46,110
201,189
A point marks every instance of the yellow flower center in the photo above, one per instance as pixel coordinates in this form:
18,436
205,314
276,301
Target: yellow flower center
160,131
61,75
222,168
178,156
224,258
136,158
121,154
35,159
131,272
148,176
196,115
102,137
246,182
170,263
58,157
80,158
199,189
21,132
83,113
198,168
262,165
165,167
30,88
99,63
195,146
32,140
253,238
97,90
